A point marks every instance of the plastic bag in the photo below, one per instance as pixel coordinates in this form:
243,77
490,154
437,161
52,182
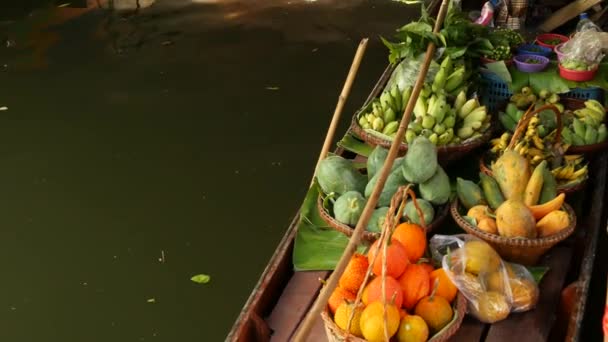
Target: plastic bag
493,287
406,72
587,47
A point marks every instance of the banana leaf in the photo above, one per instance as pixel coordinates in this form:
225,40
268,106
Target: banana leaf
352,144
317,247
538,272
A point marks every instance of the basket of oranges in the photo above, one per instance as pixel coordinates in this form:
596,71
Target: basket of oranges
394,292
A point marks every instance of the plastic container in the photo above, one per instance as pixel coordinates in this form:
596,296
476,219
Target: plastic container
540,39
523,64
585,24
558,52
484,60
578,76
533,49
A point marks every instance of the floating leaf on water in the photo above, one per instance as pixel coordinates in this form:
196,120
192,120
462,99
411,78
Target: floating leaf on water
272,88
4,108
151,300
201,278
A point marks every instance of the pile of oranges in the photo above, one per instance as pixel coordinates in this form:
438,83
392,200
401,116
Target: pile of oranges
418,296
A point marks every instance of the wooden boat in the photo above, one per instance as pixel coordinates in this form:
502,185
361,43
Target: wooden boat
282,297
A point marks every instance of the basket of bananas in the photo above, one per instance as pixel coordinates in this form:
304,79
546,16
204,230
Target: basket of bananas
454,122
570,171
584,126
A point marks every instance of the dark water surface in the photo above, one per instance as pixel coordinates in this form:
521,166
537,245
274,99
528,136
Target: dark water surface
130,136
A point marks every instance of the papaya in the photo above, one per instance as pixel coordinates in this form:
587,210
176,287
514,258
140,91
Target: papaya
514,219
375,161
437,189
393,182
553,223
376,220
420,161
338,175
549,189
511,171
539,211
348,207
468,193
411,214
491,191
488,225
535,184
478,212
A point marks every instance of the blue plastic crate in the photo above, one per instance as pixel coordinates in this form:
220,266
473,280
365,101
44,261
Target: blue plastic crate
594,93
494,91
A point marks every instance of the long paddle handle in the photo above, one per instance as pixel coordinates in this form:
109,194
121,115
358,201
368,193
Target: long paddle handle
341,101
321,301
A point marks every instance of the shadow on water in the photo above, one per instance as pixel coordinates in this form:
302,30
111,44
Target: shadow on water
187,129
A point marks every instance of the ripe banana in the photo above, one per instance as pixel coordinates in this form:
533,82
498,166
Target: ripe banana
538,142
461,99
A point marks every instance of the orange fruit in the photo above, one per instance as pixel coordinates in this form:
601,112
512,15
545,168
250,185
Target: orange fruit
402,313
436,311
428,267
353,275
338,296
373,291
396,258
412,329
413,238
415,284
445,287
372,321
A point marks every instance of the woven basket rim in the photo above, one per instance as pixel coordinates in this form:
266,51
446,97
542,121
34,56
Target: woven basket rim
459,307
483,167
441,213
403,146
547,241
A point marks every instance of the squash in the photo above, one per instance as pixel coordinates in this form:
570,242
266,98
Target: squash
511,172
393,182
553,223
338,175
376,220
420,161
514,219
375,161
437,189
411,214
348,207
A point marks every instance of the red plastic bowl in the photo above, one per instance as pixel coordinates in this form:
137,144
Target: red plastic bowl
578,76
545,36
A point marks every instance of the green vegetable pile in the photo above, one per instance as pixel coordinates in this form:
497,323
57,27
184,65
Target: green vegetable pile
576,64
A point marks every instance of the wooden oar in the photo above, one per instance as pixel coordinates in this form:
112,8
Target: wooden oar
341,101
321,301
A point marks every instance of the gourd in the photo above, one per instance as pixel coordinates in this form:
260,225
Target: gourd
375,161
410,212
393,182
420,162
376,220
338,175
348,207
437,189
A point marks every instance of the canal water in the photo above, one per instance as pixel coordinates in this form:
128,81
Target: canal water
145,142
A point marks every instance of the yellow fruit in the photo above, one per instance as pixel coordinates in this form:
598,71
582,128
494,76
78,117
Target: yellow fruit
343,313
471,285
525,294
478,212
412,329
445,287
338,296
436,311
491,307
511,172
372,322
488,225
539,211
535,184
477,256
514,219
553,223
496,281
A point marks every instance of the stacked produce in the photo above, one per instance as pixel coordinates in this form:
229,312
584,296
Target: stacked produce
338,178
585,126
502,42
418,297
514,203
443,114
493,287
520,101
577,65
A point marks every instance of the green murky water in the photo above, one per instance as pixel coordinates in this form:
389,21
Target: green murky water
133,136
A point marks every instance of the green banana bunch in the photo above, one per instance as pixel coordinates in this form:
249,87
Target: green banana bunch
385,110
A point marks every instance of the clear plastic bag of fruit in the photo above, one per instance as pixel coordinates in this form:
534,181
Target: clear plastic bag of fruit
585,49
493,287
406,72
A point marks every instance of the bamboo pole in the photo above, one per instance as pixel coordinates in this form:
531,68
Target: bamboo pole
341,101
321,301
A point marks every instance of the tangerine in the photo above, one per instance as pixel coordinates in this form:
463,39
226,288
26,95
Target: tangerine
372,321
435,311
413,238
445,287
354,274
415,285
412,329
396,258
428,267
373,291
337,297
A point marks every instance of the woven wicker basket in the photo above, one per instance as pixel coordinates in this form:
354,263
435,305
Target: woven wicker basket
485,160
335,334
445,154
587,150
440,216
518,250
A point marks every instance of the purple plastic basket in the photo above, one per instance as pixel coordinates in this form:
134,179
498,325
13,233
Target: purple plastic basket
520,62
